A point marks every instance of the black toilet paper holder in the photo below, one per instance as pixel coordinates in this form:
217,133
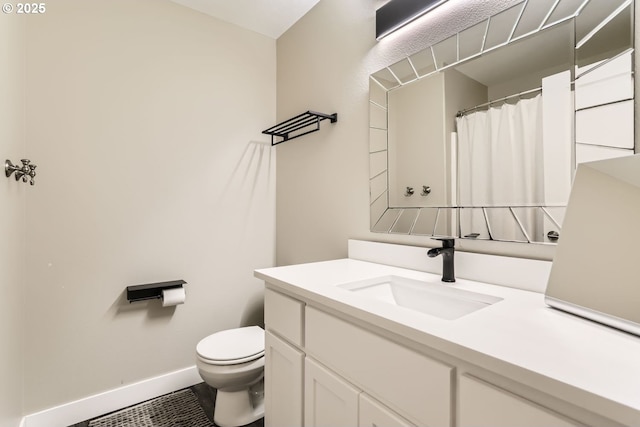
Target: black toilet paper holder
151,290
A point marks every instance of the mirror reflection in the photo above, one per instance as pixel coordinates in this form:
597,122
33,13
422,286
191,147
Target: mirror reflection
478,136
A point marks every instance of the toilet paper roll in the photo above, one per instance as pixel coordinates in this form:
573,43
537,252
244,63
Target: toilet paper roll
173,296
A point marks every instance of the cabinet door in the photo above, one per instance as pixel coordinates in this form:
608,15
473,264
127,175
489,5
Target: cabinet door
283,375
329,401
414,385
482,404
374,414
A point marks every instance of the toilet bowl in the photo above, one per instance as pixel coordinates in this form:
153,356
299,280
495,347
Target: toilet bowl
232,361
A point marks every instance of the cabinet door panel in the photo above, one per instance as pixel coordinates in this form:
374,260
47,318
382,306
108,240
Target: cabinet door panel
329,401
482,404
374,414
283,383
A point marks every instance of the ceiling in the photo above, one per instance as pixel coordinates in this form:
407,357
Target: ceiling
268,17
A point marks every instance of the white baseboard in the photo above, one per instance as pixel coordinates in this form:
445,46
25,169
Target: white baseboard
112,400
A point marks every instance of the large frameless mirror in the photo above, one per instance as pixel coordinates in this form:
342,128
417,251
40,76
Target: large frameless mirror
478,136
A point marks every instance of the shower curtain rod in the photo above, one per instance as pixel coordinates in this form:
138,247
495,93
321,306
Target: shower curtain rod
526,92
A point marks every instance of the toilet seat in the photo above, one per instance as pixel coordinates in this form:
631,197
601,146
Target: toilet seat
232,346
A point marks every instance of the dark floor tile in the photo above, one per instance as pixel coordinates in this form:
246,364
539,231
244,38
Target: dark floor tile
206,397
258,423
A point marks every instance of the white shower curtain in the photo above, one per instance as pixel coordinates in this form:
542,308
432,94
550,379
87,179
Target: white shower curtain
500,156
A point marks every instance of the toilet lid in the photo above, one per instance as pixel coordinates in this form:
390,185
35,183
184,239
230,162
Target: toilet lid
233,344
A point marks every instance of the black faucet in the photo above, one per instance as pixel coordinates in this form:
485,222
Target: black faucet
447,250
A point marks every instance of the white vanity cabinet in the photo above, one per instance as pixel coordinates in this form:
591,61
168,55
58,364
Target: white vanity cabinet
326,368
515,362
484,405
301,390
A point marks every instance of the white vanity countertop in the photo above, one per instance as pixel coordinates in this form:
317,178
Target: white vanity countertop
589,364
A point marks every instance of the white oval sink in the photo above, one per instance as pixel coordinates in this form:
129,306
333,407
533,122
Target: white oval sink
433,298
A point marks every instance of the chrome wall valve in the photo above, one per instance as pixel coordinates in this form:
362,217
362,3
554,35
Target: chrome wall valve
26,172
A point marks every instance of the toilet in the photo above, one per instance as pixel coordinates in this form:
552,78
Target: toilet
232,361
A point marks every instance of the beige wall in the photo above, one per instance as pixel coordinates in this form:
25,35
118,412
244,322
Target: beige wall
12,222
144,118
323,63
417,142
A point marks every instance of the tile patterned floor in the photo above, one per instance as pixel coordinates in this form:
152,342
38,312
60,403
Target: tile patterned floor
207,399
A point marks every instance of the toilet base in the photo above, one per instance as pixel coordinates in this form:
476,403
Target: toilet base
239,408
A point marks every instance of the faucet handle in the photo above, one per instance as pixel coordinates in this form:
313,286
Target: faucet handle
32,174
447,242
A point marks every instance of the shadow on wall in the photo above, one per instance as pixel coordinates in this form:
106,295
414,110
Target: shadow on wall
252,175
253,314
252,149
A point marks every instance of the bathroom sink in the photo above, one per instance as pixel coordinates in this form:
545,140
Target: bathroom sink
433,298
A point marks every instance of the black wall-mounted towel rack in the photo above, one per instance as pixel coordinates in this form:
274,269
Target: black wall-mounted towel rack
301,123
